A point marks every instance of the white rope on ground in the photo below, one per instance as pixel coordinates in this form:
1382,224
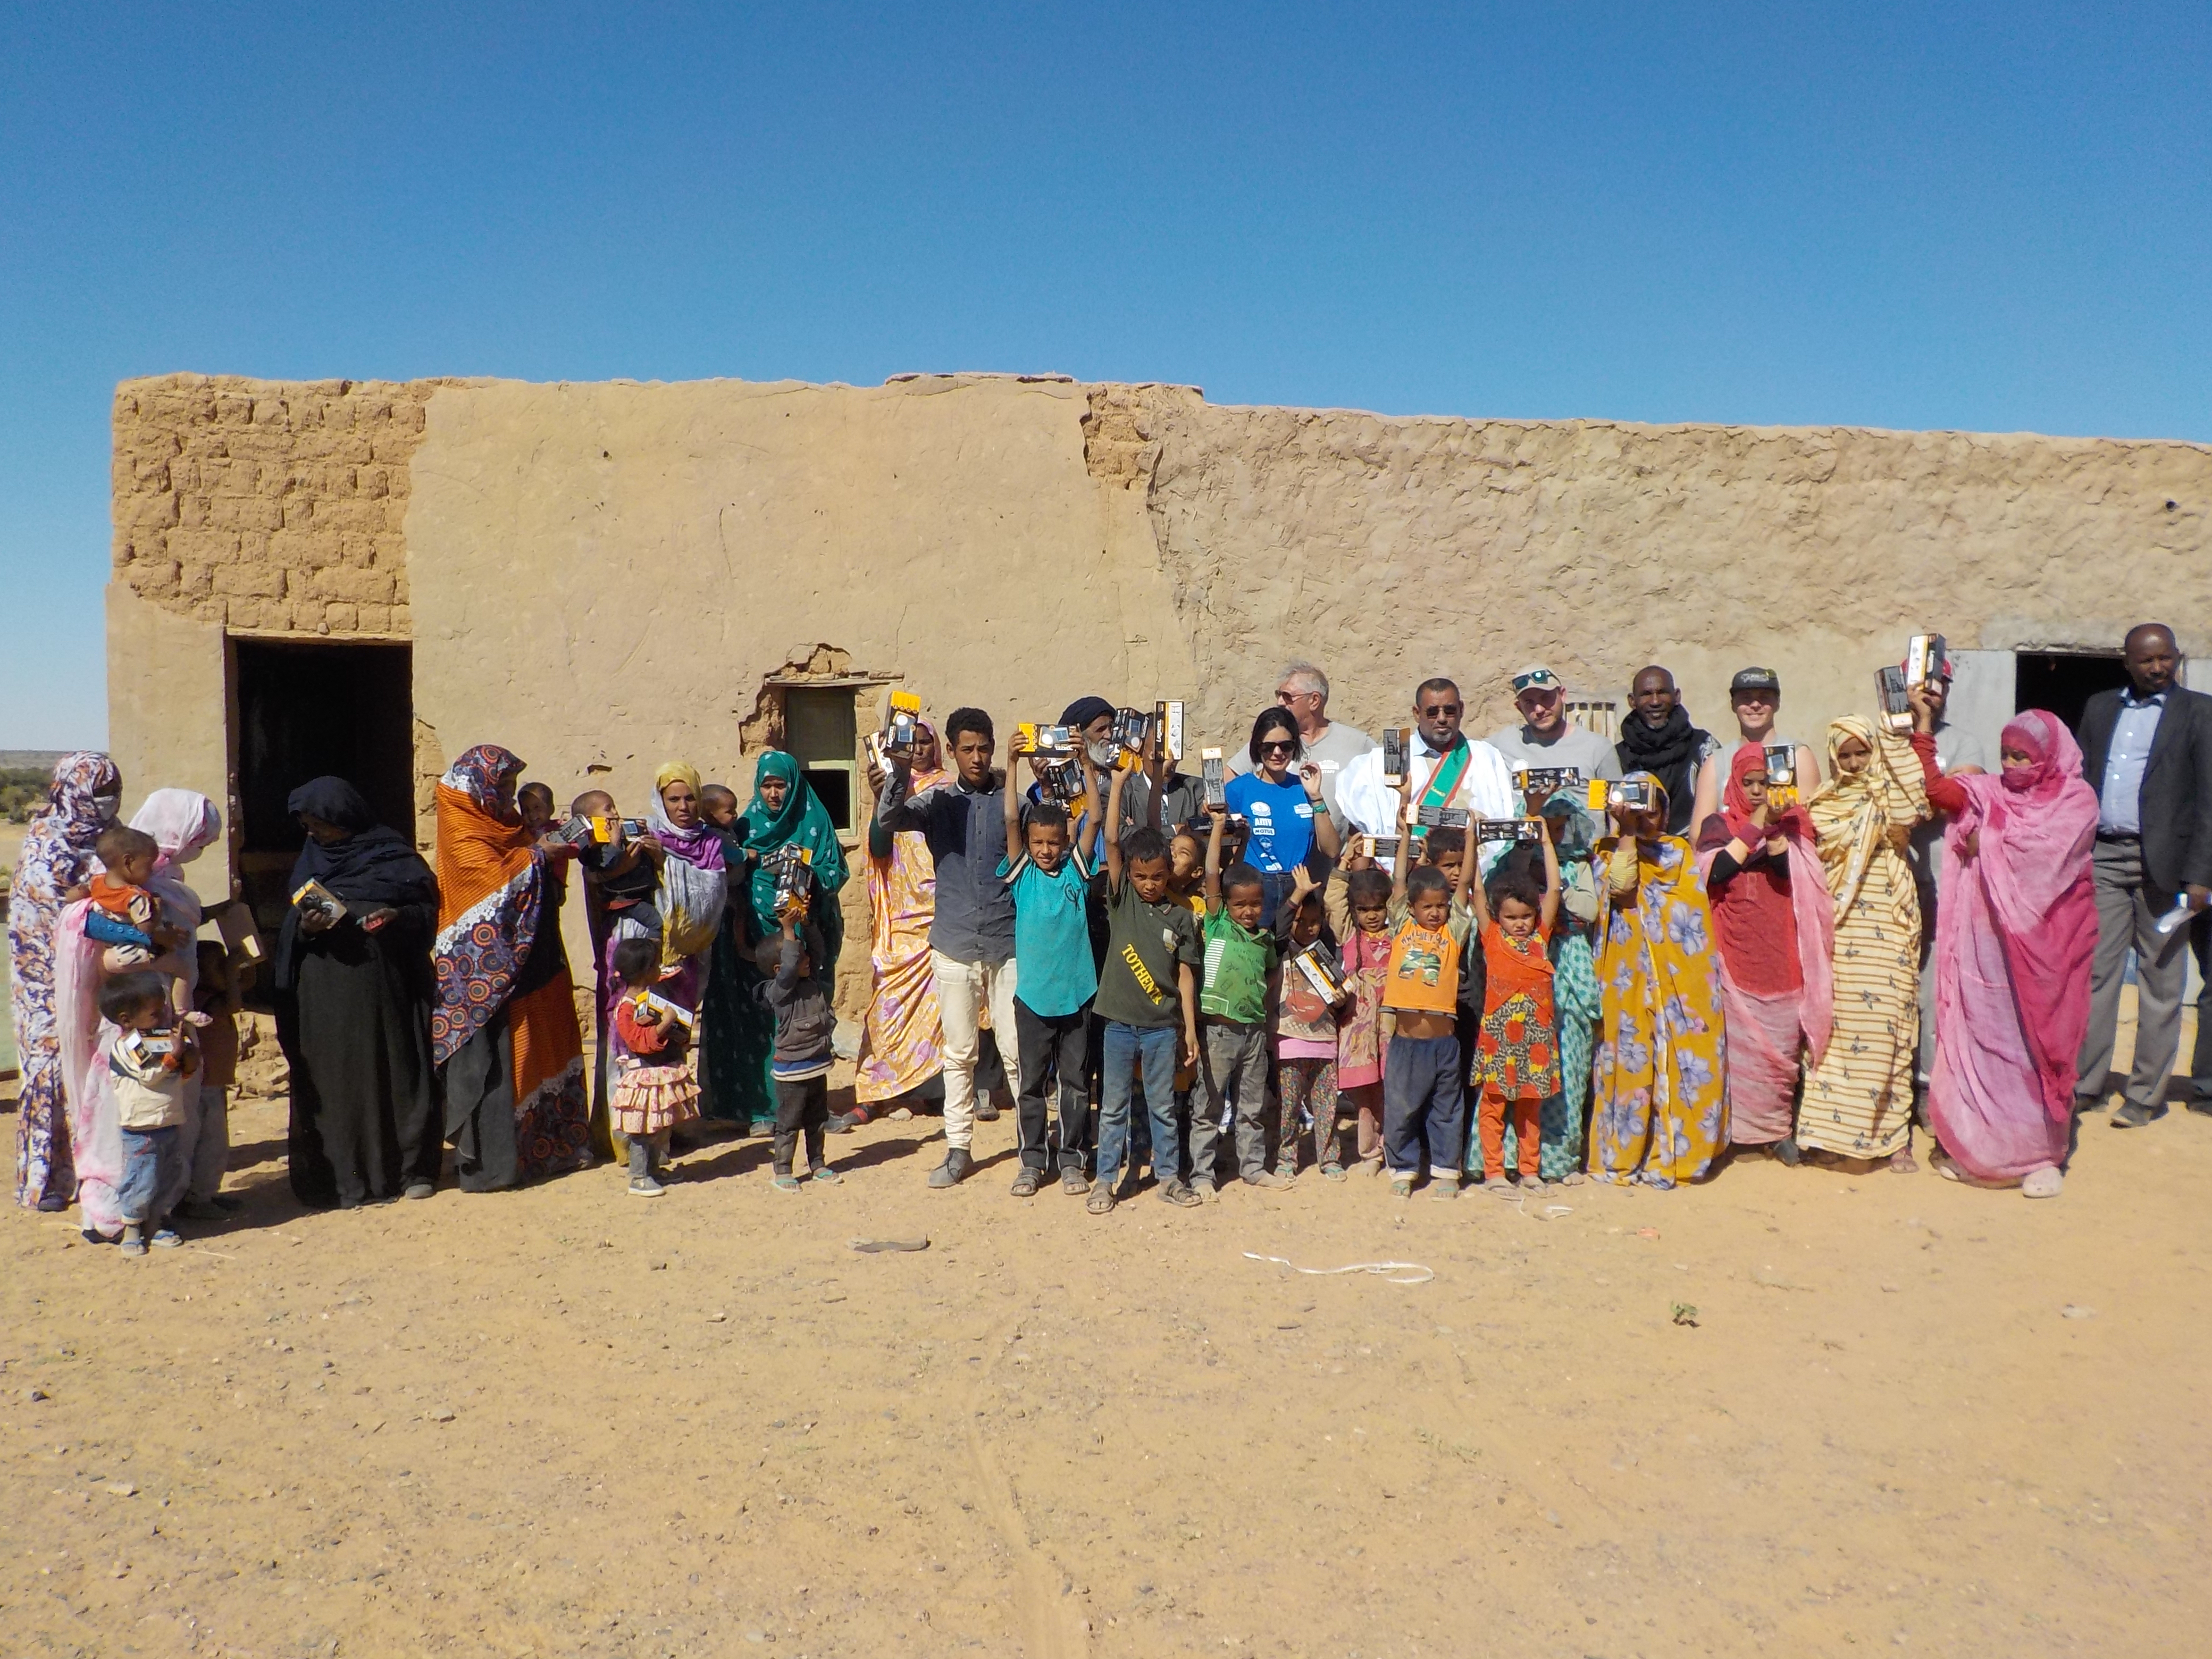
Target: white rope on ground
1381,1269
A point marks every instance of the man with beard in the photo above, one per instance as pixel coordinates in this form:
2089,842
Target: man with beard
1657,738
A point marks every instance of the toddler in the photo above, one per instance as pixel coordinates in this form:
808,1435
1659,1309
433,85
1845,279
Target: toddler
215,998
1306,1039
147,1063
1516,1059
799,1061
535,802
1357,900
1424,1100
1055,979
649,1048
1232,1005
120,899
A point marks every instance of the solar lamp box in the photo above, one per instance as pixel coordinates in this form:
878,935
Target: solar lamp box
1515,830
1383,849
1632,795
1782,764
1890,689
1214,775
1547,780
150,1045
899,725
1924,657
313,899
1168,725
242,940
667,1010
1132,728
1064,782
1395,748
1442,818
1324,971
1048,742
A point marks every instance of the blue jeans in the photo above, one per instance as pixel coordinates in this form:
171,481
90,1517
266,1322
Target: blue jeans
1125,1045
149,1156
1424,1101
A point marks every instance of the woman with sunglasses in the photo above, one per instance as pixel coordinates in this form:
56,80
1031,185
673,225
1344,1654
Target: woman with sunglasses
1281,798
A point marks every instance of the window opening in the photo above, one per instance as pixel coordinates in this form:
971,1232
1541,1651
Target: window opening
821,730
2064,681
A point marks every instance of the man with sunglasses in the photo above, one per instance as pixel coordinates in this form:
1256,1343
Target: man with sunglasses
1546,738
1330,744
1446,769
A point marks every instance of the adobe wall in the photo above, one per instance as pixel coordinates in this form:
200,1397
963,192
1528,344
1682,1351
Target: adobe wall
601,575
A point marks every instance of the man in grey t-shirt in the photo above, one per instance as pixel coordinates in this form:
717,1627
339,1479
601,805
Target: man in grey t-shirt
1545,737
1304,690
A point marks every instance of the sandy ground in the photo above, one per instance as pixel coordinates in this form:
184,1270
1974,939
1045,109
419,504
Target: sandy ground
1908,1414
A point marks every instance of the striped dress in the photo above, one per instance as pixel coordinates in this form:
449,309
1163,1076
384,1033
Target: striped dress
1858,1102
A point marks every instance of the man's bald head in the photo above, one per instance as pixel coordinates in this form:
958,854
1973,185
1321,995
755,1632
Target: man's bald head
1652,694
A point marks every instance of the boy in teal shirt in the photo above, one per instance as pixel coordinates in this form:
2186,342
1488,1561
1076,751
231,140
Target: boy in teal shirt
1232,1008
1055,977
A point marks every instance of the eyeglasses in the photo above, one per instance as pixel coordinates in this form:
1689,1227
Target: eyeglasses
1285,694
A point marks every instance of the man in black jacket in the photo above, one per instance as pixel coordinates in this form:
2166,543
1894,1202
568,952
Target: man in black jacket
2146,751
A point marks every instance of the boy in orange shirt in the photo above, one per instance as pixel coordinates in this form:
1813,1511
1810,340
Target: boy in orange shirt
1424,1099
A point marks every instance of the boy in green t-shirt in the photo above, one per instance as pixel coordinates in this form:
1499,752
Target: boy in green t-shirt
1232,1007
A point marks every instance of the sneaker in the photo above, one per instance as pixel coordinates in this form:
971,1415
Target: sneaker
826,1176
165,1239
1179,1194
844,1123
1074,1182
1101,1201
1785,1151
419,1189
954,1170
2134,1114
1269,1178
785,1181
645,1186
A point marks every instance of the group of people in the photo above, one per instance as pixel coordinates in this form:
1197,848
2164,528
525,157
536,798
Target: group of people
1544,957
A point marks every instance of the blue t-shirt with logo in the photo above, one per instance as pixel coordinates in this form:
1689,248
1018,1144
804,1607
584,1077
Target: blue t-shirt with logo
1281,818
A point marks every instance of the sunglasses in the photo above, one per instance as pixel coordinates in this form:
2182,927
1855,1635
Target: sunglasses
1276,748
1534,683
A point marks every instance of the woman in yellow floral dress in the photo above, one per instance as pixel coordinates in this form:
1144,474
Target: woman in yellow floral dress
1858,1103
1659,1112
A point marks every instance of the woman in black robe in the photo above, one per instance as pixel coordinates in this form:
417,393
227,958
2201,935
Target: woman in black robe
353,1009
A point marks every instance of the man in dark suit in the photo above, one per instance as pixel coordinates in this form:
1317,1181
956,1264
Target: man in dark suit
2147,750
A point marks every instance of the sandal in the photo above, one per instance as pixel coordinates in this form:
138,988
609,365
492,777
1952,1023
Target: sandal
1902,1162
1025,1183
786,1183
1332,1170
1101,1200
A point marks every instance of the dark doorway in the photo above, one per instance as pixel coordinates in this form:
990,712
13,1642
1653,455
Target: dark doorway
305,710
2064,681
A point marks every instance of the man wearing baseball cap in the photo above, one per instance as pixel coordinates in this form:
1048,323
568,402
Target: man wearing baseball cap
1755,694
1545,737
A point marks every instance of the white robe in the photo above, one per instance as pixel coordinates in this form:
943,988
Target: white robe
1485,789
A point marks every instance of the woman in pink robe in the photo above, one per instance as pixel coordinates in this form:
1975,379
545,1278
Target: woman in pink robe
2013,936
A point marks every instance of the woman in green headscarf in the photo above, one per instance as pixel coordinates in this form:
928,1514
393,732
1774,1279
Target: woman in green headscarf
736,1032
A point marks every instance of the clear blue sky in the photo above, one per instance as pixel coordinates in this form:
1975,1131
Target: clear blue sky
1991,217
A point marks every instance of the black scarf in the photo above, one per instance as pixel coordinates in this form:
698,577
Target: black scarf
373,865
1668,752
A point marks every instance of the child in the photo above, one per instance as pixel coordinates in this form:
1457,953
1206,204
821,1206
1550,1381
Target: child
1423,1097
1055,978
1516,1062
216,997
1359,904
535,802
119,895
1232,1003
148,1064
799,1062
1147,995
653,1088
1305,1040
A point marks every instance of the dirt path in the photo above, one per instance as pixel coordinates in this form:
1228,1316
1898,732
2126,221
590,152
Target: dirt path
566,1421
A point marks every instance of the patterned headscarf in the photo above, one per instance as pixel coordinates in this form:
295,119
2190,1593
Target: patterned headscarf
478,774
57,850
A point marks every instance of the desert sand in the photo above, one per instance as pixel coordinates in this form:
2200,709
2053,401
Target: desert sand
1903,1414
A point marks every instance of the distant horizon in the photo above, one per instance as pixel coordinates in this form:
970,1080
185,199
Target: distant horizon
1980,218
